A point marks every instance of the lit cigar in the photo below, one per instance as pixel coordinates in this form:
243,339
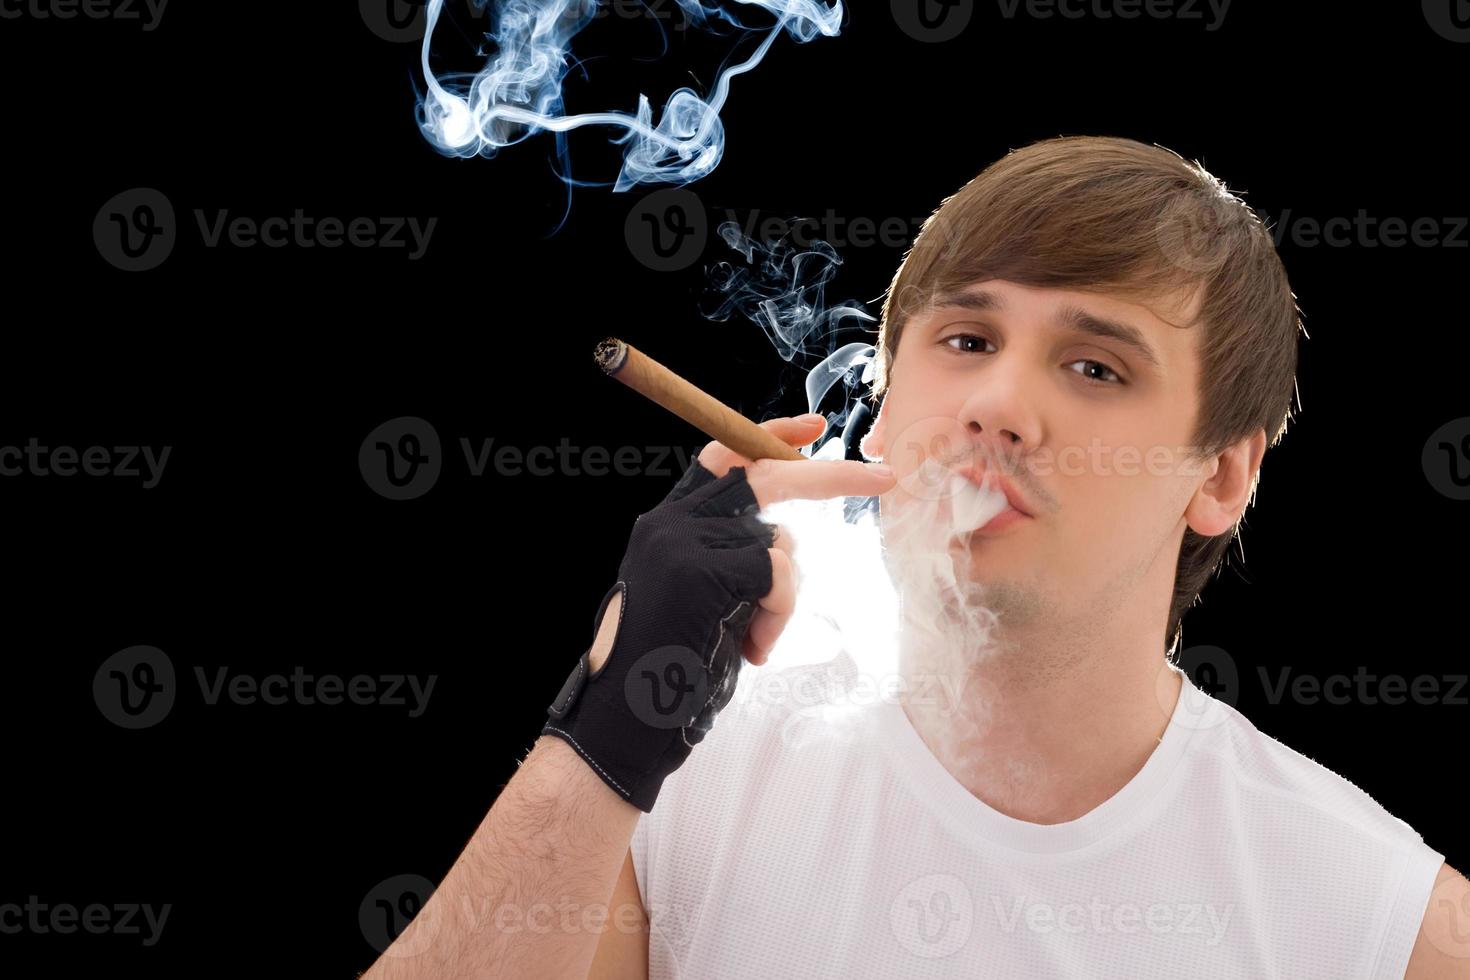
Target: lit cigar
703,411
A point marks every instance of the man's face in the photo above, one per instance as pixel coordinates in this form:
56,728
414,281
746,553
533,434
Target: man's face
1089,428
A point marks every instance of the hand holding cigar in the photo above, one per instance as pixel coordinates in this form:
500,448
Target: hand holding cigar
707,585
741,442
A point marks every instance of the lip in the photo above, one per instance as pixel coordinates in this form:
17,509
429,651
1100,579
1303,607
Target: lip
1002,521
975,473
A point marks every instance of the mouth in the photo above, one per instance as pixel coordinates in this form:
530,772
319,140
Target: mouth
1000,522
1017,506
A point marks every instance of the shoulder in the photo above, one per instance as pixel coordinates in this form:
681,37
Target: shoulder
1281,780
1321,831
1442,949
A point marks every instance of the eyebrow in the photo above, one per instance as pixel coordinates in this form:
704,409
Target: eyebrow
1068,317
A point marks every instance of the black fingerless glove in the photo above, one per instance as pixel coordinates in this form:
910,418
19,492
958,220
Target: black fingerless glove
695,567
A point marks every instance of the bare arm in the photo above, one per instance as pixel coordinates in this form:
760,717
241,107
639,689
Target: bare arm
522,899
528,897
622,953
1442,948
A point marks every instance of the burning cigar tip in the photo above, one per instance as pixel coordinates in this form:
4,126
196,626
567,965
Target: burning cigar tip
611,354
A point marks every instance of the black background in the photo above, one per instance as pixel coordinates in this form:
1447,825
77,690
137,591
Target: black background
263,548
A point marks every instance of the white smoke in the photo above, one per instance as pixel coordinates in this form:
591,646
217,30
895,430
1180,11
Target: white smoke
885,585
519,91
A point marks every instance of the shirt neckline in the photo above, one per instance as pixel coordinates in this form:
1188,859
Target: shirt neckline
978,822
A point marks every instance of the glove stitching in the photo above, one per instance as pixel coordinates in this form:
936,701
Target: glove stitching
714,689
582,752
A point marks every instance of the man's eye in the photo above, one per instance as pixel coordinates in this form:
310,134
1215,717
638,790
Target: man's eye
1116,379
965,336
1091,380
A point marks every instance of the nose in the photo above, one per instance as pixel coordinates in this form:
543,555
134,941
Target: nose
999,421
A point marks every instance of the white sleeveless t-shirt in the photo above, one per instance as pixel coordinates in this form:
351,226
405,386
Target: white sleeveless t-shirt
810,842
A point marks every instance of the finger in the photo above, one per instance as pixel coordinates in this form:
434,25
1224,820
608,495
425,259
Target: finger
799,431
775,480
760,639
752,653
774,609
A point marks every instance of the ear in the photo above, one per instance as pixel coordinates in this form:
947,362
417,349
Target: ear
1222,498
871,445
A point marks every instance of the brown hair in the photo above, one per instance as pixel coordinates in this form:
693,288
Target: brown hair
1111,214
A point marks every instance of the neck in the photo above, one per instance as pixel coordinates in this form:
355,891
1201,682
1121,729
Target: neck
1040,733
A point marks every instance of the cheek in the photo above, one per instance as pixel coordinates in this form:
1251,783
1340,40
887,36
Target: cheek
1102,509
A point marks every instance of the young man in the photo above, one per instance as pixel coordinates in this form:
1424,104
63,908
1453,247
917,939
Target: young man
1104,329
1081,363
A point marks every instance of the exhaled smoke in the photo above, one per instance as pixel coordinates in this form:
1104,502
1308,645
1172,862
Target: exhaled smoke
519,91
946,626
886,587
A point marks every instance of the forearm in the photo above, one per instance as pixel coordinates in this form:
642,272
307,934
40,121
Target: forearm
524,897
